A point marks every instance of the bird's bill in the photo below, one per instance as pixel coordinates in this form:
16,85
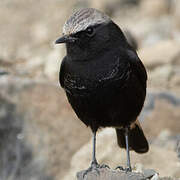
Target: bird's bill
65,39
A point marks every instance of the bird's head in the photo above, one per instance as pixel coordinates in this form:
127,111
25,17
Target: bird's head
87,33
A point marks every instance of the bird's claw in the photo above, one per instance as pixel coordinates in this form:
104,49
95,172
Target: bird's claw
94,166
104,166
128,169
120,168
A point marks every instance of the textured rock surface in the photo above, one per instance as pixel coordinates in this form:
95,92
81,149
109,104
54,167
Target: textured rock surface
107,174
156,8
163,52
45,115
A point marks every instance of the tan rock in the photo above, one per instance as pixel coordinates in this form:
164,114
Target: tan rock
160,76
155,8
175,81
109,174
52,62
162,53
50,128
105,5
176,14
165,116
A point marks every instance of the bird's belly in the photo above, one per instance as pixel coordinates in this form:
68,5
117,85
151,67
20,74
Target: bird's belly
107,105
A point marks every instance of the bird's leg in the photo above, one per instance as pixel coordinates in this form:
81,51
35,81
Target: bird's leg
94,163
127,149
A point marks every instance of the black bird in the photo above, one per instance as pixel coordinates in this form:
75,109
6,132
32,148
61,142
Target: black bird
104,79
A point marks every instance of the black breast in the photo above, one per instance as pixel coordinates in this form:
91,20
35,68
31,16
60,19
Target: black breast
103,93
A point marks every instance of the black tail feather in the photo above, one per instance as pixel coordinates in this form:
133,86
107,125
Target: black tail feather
137,139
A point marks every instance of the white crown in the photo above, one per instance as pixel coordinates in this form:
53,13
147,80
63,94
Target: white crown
84,18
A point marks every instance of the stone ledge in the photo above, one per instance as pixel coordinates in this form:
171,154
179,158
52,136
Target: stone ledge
108,174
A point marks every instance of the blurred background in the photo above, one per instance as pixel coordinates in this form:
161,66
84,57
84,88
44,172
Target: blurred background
40,136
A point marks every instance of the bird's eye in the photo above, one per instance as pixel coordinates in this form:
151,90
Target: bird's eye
90,31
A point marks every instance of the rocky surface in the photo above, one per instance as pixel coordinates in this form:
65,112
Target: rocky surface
108,174
45,115
41,137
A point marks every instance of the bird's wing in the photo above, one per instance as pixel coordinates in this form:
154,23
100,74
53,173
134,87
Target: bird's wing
61,72
138,67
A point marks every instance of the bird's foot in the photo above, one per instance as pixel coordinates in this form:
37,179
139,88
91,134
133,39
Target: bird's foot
94,167
128,169
120,168
104,166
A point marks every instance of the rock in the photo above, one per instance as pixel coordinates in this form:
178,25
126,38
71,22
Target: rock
148,31
48,122
162,53
29,68
175,81
177,173
175,20
164,109
161,76
3,72
108,174
16,155
150,173
40,32
176,14
156,177
155,8
113,6
131,39
163,71
53,61
28,34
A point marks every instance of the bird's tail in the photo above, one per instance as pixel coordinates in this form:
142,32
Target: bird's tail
136,137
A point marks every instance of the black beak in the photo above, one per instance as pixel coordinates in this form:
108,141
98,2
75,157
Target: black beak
65,39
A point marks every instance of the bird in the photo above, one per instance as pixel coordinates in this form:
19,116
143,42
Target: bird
104,79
